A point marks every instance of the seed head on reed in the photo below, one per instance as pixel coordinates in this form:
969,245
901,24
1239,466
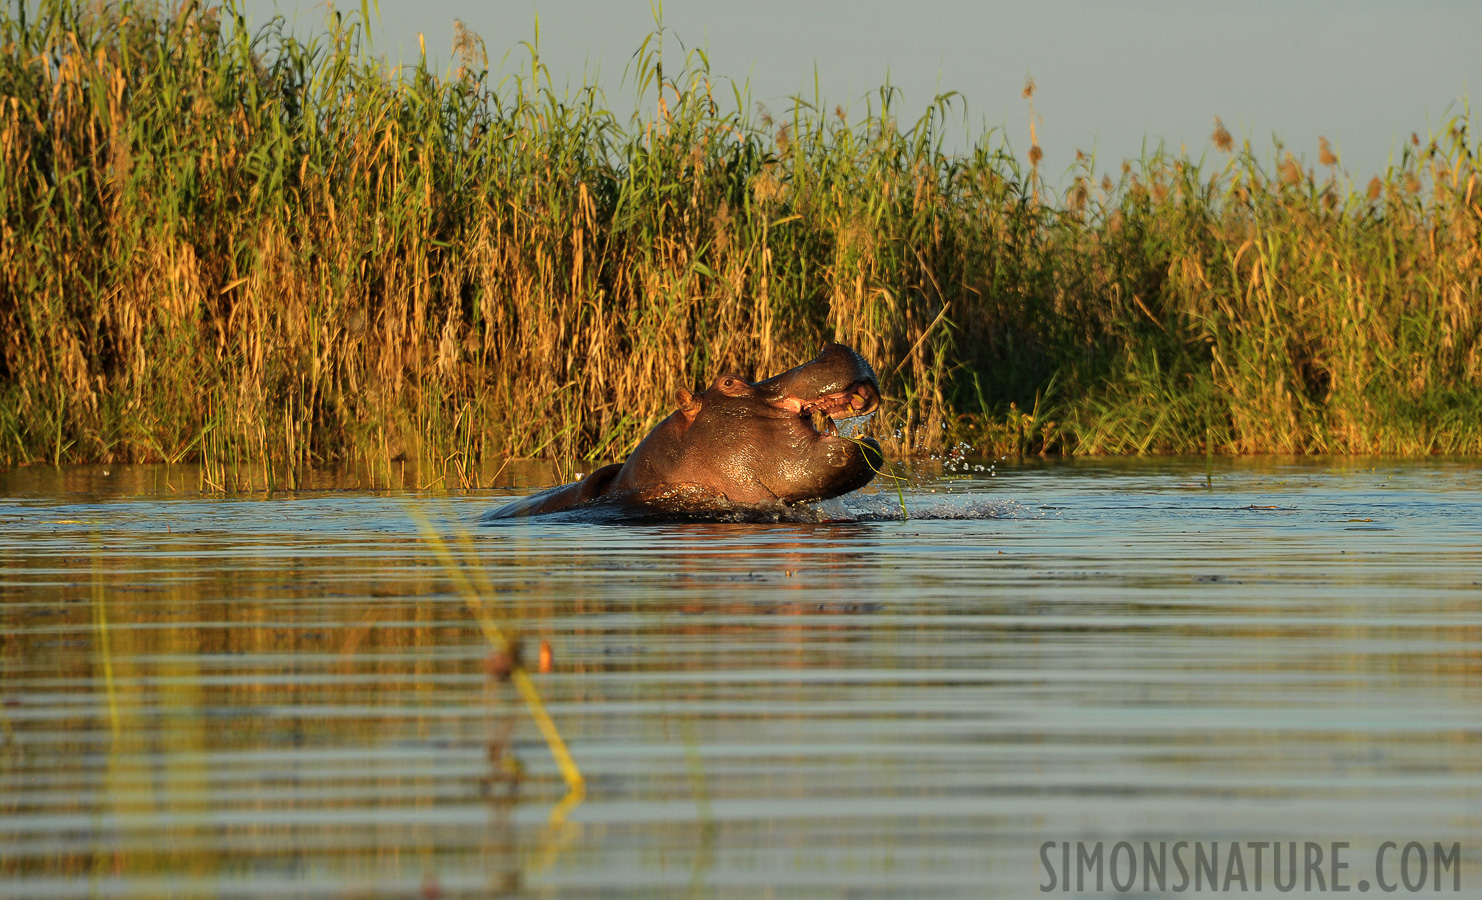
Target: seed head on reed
468,47
765,188
1221,138
1325,153
1078,196
1291,172
1028,88
1376,187
1035,155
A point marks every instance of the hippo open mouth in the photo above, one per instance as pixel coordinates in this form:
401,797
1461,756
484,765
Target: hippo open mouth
822,413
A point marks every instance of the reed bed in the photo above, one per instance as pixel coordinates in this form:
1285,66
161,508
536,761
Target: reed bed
265,253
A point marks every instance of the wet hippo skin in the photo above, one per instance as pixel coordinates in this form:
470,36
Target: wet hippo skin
740,444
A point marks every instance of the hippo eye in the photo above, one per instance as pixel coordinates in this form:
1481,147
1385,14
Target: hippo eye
731,386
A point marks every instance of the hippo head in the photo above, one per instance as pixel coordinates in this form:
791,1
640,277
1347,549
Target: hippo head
738,448
775,439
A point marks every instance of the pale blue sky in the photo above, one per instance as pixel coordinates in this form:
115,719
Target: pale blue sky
1363,73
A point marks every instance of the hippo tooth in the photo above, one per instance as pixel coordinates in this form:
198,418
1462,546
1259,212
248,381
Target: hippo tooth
857,401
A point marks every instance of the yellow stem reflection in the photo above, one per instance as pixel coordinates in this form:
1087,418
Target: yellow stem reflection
500,639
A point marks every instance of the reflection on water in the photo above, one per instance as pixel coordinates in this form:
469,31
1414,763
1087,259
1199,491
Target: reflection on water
248,697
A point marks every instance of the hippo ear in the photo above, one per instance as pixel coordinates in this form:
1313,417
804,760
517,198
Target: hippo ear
688,404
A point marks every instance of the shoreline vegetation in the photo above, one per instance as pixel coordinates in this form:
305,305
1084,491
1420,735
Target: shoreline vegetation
264,253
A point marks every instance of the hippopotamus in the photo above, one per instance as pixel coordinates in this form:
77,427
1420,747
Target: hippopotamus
739,445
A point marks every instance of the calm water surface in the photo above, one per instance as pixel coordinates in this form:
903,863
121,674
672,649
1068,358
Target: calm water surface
290,696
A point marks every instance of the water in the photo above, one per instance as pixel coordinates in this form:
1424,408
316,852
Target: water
290,696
